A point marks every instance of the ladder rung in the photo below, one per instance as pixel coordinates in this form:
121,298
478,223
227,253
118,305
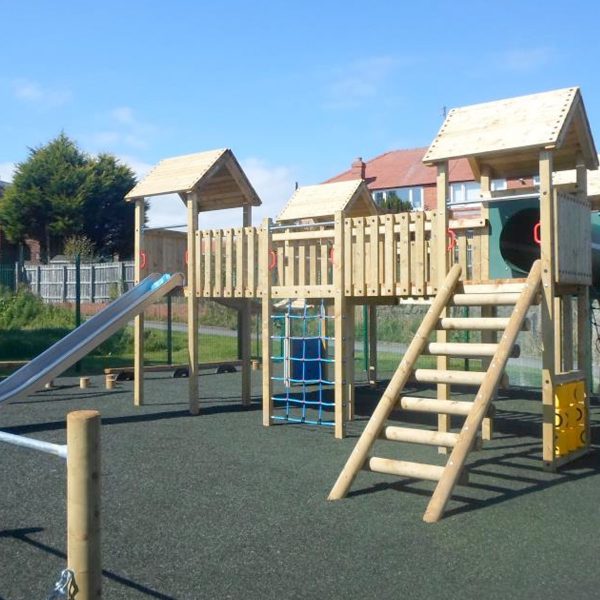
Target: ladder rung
403,468
433,405
454,377
494,287
478,323
441,376
485,299
420,436
464,349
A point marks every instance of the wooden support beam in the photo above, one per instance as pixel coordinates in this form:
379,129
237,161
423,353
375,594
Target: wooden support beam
192,316
265,276
140,271
245,332
340,327
547,306
373,344
440,256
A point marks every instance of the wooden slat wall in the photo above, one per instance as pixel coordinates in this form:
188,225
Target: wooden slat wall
385,255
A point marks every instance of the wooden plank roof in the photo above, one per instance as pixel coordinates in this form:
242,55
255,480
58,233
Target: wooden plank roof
320,201
215,175
507,135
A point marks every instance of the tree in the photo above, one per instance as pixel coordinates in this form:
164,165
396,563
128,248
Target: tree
60,191
394,204
108,221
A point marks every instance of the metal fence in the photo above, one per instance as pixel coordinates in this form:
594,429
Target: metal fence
7,276
100,282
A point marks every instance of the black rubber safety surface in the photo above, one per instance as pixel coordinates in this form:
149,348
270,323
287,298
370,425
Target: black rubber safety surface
219,507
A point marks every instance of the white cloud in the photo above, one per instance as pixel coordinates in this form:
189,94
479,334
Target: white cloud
123,115
123,130
273,183
138,166
33,92
360,81
524,59
7,170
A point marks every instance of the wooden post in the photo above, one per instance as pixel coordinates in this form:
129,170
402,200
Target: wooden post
245,320
340,328
138,327
488,336
192,321
349,344
547,305
440,256
584,341
267,325
373,345
83,502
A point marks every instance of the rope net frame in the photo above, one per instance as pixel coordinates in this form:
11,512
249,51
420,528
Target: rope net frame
301,365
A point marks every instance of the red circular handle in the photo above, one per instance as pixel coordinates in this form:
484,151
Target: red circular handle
452,242
142,260
273,261
537,238
331,254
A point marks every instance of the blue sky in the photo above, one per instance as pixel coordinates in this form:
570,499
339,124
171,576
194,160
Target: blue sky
296,89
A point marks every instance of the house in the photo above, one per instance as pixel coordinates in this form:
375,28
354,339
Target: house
402,174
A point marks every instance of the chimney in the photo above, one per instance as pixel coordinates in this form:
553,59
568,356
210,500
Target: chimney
358,168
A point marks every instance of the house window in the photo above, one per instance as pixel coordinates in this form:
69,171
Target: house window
465,191
498,184
391,199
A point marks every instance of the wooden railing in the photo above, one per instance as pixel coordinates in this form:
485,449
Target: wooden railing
384,255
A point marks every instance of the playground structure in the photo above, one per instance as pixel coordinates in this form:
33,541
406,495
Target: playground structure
330,245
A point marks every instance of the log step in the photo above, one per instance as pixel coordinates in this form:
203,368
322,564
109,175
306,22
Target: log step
441,376
478,324
485,299
454,377
472,350
420,436
403,468
433,405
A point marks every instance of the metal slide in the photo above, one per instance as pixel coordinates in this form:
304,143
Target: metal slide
74,346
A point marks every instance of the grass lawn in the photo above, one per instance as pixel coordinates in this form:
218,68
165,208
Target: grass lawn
25,344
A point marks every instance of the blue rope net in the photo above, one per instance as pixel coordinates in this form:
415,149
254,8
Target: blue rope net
301,366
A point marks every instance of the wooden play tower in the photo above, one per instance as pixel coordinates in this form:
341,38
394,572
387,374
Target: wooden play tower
330,243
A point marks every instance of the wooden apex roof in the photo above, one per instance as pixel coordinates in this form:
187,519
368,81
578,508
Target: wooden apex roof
507,135
215,175
324,200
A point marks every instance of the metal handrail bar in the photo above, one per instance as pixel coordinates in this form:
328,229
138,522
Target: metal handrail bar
59,450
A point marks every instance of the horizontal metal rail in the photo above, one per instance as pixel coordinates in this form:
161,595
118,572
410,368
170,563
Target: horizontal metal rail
59,450
301,226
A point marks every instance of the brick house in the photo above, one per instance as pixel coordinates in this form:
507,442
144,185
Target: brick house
403,173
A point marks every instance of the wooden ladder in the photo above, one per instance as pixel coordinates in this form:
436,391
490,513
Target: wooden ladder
461,443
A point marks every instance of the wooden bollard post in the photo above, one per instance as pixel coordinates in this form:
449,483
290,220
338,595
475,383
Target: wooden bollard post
83,502
110,381
84,383
255,364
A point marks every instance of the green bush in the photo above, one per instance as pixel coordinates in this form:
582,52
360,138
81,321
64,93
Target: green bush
24,310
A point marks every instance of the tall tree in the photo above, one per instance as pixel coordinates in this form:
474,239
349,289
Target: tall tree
108,220
59,192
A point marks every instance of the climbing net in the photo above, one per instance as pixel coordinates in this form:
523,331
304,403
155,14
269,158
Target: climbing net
303,361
